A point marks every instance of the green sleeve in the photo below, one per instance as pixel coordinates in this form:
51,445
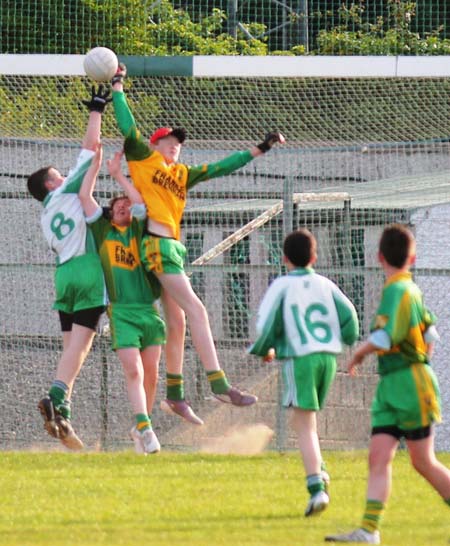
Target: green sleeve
348,318
99,230
138,227
225,166
395,312
135,146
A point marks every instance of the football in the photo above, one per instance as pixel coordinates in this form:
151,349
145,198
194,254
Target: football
100,64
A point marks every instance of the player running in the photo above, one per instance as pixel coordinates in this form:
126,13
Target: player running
407,399
163,184
303,320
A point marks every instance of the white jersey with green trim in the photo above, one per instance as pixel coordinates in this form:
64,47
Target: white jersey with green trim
62,219
302,313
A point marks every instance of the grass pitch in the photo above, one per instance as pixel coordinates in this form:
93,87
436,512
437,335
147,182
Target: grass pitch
115,499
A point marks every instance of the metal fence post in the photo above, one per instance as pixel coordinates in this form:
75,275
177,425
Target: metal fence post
232,18
104,346
288,210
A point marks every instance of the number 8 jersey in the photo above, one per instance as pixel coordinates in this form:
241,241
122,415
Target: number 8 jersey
304,313
63,220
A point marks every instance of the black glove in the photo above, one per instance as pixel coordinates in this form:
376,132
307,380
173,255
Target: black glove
99,99
271,139
120,74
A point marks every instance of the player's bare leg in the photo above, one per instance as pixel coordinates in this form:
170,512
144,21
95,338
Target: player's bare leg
175,403
76,346
150,360
144,437
176,332
305,425
180,290
382,451
423,458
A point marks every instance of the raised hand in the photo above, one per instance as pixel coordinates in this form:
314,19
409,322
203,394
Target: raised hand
99,99
271,138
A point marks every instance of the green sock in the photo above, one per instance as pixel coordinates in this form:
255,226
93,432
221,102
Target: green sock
314,484
218,381
175,386
372,515
150,420
447,501
142,422
58,392
64,409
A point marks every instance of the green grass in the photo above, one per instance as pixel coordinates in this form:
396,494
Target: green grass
192,499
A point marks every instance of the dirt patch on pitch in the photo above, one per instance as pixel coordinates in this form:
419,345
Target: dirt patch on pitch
240,440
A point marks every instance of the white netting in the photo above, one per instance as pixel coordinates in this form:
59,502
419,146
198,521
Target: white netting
381,141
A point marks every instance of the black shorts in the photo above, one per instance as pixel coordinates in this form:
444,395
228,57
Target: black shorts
85,317
416,434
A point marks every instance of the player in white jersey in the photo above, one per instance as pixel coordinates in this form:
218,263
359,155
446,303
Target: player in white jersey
303,320
80,289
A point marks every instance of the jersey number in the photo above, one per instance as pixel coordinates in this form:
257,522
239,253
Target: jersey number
317,329
61,226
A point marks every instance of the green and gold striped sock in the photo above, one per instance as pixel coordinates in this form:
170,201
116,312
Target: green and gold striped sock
175,386
218,381
372,515
142,422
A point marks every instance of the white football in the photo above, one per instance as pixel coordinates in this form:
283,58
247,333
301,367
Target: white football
100,64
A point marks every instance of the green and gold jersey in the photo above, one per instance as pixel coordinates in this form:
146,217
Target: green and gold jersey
404,318
163,187
118,247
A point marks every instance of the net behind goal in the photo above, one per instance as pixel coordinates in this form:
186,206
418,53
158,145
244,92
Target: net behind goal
360,153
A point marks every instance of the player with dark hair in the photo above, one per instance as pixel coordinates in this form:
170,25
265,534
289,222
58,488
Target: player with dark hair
407,400
163,184
137,331
80,289
302,321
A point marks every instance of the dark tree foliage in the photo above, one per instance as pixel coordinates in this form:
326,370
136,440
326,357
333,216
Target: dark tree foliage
186,27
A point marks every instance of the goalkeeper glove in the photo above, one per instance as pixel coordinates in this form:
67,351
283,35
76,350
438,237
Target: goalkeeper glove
99,100
120,74
271,138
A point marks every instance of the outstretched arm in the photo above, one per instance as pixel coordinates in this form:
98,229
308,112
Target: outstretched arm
229,164
85,194
115,171
136,146
124,117
96,106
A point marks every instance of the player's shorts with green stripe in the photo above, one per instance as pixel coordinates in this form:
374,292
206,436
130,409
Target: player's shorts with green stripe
135,325
80,284
307,380
408,398
162,254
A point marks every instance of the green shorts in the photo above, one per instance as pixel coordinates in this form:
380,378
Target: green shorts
408,398
162,255
134,325
307,380
80,284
